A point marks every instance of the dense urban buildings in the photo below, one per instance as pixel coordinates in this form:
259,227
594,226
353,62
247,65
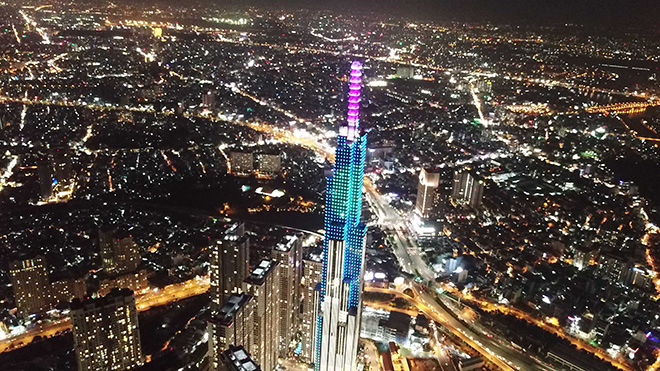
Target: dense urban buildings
338,325
106,334
120,254
531,243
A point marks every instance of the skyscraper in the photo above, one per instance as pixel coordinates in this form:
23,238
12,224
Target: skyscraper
467,189
312,272
105,332
263,285
231,326
288,255
229,264
428,184
338,324
29,279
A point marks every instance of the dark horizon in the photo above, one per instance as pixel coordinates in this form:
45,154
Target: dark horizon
633,14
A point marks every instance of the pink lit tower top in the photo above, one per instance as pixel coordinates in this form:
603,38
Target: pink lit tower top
339,297
353,124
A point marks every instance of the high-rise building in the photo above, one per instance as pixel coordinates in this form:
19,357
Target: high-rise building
468,189
428,184
338,324
268,164
208,99
236,358
263,285
29,279
312,273
120,254
231,325
242,163
288,254
105,332
229,264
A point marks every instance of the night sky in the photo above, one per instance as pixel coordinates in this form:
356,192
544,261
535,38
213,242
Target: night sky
607,13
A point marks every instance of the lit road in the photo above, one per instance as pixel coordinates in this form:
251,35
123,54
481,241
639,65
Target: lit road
491,348
405,248
408,254
512,311
146,301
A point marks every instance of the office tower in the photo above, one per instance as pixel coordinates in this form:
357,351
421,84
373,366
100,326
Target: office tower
428,184
268,164
236,358
229,264
338,325
105,332
288,255
467,189
242,163
29,279
231,325
120,254
263,285
312,273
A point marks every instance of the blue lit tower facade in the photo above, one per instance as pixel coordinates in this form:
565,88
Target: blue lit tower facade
340,300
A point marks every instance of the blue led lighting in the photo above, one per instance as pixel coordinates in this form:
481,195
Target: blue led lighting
343,209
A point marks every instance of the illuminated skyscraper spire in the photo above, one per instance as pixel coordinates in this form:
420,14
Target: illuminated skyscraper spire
338,323
354,101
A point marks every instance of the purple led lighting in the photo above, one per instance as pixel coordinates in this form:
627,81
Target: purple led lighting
354,100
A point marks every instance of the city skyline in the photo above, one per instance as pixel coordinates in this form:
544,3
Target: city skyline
189,186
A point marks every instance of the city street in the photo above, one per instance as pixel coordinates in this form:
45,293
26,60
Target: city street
152,298
495,350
